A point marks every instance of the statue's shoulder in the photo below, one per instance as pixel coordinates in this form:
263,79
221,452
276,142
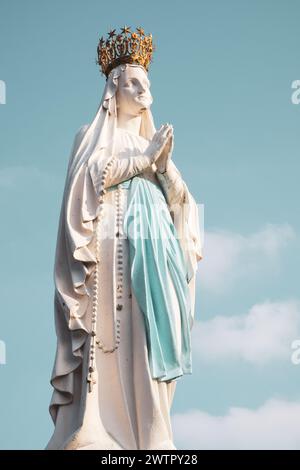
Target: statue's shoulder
76,142
79,136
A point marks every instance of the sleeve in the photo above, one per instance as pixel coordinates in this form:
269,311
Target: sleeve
172,184
125,168
116,170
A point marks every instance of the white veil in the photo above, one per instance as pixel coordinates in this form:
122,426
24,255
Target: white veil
100,133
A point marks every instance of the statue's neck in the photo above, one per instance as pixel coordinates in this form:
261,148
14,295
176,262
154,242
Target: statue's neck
129,123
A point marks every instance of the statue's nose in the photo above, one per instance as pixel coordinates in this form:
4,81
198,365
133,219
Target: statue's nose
142,89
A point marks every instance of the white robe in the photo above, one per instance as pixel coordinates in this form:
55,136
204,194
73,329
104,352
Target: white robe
126,409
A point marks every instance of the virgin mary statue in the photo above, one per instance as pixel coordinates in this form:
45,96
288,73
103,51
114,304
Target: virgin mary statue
127,250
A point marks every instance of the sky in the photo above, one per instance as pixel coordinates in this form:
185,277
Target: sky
222,74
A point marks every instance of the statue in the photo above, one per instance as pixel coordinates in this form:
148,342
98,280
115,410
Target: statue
126,257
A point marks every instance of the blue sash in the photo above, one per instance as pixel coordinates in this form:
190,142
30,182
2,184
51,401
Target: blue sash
154,251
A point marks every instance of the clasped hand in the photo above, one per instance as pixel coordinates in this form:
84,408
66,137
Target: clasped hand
161,147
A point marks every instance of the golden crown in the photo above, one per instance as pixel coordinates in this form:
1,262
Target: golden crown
127,47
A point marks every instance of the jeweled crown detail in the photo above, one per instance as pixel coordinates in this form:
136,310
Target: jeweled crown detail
125,47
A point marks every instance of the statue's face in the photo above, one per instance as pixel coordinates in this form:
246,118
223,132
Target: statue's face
133,94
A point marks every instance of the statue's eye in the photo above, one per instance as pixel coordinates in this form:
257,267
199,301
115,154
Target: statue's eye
135,81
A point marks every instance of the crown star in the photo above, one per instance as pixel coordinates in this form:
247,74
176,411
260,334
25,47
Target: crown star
126,30
126,47
112,33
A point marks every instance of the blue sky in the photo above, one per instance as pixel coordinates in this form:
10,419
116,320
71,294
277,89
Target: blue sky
221,74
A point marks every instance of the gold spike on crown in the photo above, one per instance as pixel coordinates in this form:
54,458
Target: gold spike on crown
127,47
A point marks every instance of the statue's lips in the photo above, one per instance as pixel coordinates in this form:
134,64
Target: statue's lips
143,98
144,101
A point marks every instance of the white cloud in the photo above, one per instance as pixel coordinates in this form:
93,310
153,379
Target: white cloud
230,256
262,335
275,425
